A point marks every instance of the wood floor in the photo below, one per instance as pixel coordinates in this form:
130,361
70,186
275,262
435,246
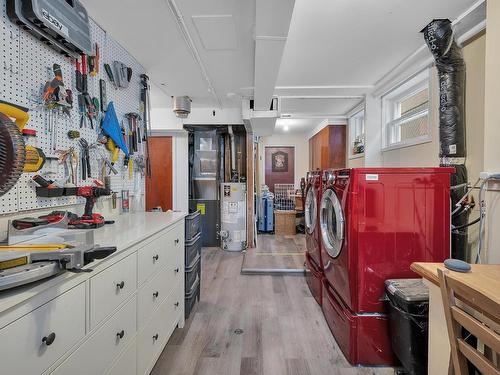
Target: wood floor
253,325
276,252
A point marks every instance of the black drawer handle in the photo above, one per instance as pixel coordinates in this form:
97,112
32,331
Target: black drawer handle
156,294
155,337
176,304
176,270
176,241
156,257
120,285
120,334
48,340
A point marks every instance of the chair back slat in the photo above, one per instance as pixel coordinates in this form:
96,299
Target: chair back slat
458,319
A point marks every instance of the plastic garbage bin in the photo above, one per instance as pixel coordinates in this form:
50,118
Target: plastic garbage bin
409,322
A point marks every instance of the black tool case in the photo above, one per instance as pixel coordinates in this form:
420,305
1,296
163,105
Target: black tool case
15,15
63,24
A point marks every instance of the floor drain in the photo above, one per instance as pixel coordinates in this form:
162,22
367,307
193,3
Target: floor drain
238,331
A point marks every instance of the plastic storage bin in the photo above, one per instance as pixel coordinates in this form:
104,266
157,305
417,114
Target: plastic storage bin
193,249
191,273
191,297
192,222
409,322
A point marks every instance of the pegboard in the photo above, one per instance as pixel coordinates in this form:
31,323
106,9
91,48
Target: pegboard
25,66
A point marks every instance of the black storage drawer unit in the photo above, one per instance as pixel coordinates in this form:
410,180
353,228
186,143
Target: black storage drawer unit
409,322
193,249
192,272
193,222
191,297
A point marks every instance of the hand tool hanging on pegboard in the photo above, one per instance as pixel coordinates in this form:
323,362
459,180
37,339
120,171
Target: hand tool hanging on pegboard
146,118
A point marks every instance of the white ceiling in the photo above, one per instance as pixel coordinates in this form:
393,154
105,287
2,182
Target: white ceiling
335,50
295,125
350,43
149,31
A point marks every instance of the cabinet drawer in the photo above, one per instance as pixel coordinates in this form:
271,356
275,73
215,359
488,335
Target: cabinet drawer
34,342
152,339
127,362
160,252
111,287
97,354
154,291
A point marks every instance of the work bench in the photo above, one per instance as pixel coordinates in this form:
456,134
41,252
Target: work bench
114,320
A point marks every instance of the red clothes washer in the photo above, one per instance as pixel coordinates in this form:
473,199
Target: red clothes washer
374,223
314,265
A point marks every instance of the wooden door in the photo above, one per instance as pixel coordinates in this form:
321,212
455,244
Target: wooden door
279,166
159,185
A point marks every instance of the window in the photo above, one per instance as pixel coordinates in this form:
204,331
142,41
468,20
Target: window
405,112
357,134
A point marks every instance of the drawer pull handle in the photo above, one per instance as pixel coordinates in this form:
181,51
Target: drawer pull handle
176,270
156,257
120,334
155,337
176,304
156,294
120,285
176,241
48,340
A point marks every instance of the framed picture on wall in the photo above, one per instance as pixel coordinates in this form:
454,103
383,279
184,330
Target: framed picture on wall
279,161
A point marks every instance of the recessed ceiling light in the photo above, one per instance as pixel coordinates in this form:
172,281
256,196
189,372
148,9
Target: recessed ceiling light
163,84
286,115
285,128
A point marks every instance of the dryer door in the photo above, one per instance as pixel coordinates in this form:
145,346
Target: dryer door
311,210
332,223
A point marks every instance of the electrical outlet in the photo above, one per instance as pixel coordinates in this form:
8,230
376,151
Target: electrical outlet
489,175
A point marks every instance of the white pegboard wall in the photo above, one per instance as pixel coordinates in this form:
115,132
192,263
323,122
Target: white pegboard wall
25,66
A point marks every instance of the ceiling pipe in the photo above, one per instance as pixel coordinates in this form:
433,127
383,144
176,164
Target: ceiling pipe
192,48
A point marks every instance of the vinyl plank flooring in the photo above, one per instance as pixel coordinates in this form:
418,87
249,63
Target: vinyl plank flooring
254,325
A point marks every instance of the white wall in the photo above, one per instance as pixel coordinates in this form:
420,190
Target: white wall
299,141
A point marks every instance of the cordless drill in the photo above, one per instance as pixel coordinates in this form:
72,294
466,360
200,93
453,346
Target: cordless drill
89,219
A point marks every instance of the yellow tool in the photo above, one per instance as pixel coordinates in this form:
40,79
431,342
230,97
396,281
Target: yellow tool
34,157
111,146
34,247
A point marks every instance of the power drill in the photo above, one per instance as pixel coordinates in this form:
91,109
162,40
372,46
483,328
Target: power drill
90,220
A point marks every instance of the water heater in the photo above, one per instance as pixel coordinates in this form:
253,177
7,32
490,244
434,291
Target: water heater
233,216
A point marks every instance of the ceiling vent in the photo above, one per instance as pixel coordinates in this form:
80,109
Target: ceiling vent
182,106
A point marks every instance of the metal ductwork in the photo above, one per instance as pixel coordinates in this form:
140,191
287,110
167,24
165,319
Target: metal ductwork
182,106
450,65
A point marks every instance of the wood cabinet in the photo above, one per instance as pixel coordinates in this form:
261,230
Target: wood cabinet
327,148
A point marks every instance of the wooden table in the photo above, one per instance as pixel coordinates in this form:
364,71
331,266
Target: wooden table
484,278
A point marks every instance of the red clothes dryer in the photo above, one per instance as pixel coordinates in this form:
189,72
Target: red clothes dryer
313,263
374,223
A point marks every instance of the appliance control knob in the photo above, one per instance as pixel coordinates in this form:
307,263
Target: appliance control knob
331,177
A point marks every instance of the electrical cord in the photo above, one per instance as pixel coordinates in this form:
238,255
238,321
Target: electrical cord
467,225
458,204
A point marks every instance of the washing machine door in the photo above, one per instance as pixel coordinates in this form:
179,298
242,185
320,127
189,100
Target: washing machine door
311,210
332,223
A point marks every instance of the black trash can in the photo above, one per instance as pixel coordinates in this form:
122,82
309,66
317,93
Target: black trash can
409,322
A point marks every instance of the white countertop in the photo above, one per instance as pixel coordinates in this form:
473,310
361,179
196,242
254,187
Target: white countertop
127,231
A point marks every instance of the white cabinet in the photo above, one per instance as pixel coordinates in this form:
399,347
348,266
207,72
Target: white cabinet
115,321
31,344
126,364
152,339
96,355
111,287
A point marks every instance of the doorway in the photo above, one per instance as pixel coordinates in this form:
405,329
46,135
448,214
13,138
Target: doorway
279,248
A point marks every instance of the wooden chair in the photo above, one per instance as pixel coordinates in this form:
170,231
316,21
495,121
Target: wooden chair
457,318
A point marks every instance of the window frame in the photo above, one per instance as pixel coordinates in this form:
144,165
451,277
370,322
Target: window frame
352,130
390,104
